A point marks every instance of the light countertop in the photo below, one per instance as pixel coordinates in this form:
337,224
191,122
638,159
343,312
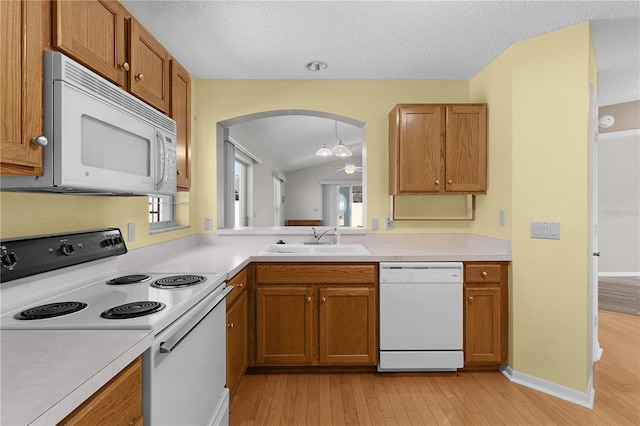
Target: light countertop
46,374
228,253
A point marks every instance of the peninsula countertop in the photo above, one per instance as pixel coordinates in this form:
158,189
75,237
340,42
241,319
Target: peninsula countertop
229,253
46,374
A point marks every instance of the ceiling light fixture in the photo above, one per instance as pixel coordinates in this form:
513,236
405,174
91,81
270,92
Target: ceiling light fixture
340,149
316,66
324,151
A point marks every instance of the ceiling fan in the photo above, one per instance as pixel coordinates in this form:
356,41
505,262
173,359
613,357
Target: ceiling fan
350,168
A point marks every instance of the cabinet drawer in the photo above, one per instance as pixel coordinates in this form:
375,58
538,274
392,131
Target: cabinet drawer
338,273
482,273
239,281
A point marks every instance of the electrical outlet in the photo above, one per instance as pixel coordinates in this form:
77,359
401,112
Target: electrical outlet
131,231
374,224
388,224
501,218
208,223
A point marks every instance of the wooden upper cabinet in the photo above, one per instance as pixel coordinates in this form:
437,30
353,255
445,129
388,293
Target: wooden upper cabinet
24,31
438,148
94,33
149,74
466,149
181,113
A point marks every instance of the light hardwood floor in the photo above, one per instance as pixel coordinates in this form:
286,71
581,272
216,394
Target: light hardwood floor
468,398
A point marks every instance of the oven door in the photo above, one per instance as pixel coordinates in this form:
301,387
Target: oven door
184,372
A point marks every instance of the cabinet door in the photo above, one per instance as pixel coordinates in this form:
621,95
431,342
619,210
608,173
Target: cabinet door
420,149
285,327
21,67
348,332
237,340
119,402
181,113
93,33
466,149
482,325
149,76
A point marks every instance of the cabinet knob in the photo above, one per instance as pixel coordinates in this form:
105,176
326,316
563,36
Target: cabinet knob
140,77
231,325
324,299
308,298
179,172
470,298
40,140
437,182
241,285
484,273
124,66
450,181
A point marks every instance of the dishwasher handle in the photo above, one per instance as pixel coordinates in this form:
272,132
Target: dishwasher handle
171,343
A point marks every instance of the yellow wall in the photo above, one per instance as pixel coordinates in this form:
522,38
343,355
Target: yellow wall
368,101
550,278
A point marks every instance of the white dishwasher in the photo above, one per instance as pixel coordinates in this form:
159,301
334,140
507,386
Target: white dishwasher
420,316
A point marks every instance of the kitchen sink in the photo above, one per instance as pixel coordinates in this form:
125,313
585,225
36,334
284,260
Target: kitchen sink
314,249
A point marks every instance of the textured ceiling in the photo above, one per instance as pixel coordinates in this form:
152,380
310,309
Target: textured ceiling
383,39
363,40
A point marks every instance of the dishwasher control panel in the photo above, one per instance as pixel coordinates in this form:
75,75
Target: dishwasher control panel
421,272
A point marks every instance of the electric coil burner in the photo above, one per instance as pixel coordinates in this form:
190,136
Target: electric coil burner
133,310
50,310
178,281
129,279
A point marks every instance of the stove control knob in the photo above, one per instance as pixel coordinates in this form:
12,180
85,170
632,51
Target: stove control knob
107,242
67,249
117,240
9,259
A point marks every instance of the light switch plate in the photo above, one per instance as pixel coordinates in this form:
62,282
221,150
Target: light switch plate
208,223
545,230
374,224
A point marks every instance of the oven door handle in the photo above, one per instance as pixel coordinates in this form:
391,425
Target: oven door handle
171,343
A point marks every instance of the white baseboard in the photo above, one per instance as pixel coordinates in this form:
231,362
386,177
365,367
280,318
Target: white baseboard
618,274
579,398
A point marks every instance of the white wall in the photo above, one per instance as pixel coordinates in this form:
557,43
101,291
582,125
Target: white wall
304,192
619,203
262,179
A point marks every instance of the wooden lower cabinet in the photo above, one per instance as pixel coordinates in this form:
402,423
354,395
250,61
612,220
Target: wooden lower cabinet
285,326
485,314
347,328
237,329
316,314
119,402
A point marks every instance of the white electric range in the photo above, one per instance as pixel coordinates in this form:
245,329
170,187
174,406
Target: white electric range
71,281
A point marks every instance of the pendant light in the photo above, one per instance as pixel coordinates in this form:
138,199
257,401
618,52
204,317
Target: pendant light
324,151
340,149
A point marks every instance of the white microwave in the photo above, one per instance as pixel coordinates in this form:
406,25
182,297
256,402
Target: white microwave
99,138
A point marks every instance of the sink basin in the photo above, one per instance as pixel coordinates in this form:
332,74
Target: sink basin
314,250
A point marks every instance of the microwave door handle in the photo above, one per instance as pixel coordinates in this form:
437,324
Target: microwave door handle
172,342
161,160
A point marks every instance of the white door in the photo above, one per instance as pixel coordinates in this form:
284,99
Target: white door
593,184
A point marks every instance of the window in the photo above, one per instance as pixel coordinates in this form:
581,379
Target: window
162,212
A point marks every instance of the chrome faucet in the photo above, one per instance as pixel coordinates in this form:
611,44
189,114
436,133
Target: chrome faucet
316,236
